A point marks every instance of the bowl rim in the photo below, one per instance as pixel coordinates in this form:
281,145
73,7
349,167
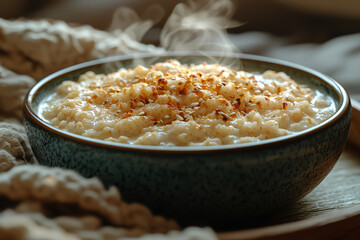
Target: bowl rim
344,105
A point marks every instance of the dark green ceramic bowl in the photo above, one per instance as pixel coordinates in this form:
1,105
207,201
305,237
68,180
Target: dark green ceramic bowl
199,185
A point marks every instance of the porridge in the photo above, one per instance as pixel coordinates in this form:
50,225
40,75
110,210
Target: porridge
170,104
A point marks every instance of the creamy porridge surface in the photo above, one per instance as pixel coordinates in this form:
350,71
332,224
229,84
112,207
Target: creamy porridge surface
170,104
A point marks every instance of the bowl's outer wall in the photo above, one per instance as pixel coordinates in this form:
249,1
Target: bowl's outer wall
216,186
209,187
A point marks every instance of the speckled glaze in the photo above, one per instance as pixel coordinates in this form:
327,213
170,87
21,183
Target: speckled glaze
199,185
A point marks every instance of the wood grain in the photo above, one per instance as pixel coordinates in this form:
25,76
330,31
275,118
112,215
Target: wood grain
330,211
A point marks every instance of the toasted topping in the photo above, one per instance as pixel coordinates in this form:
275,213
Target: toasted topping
155,105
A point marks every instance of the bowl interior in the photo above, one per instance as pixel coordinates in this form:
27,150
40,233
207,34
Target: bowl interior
245,62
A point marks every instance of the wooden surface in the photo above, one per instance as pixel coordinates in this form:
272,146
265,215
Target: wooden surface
330,211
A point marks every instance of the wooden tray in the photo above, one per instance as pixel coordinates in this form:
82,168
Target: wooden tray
330,211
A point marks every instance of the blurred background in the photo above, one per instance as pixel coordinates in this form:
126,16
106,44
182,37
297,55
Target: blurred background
319,20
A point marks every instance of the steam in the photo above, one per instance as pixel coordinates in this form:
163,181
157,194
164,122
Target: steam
127,21
197,26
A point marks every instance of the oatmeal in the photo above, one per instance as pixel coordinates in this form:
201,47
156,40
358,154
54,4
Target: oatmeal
171,104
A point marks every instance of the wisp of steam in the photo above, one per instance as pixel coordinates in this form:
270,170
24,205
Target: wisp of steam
196,26
199,26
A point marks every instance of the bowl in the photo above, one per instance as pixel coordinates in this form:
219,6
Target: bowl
211,185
